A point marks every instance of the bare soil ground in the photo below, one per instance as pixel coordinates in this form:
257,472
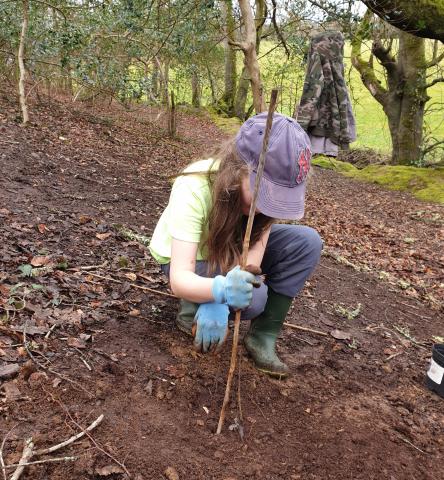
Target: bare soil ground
354,408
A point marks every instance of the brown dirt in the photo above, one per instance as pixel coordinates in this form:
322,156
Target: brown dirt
351,410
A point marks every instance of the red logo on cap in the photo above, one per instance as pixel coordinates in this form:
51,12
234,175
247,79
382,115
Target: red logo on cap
304,164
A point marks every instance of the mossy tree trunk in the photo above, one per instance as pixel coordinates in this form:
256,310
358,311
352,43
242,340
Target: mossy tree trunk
195,88
422,18
243,88
226,103
405,94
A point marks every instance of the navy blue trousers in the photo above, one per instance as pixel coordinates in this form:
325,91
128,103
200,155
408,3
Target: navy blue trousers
291,255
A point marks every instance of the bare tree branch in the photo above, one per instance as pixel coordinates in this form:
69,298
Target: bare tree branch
435,81
278,31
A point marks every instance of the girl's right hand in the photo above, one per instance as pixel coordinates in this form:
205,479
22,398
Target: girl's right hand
235,289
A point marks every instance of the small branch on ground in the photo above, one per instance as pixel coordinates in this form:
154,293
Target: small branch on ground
1,451
305,329
88,267
140,287
65,408
47,460
72,439
28,450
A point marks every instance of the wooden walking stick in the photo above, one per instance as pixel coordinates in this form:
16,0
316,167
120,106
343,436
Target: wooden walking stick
245,248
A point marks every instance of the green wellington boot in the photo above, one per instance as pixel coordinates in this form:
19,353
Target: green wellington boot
260,341
185,316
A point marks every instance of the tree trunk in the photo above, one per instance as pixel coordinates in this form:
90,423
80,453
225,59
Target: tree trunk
212,86
242,94
195,89
248,46
245,79
165,78
228,98
172,116
404,97
155,80
412,65
422,18
21,51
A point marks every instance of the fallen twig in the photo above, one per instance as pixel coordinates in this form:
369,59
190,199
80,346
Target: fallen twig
410,443
1,451
47,460
70,440
28,450
88,267
85,431
305,329
245,248
391,357
407,335
140,287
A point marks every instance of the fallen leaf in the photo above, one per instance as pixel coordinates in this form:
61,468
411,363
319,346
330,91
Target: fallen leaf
84,219
109,470
171,473
134,313
131,276
57,381
103,236
31,329
340,335
39,261
42,228
4,289
11,391
149,387
72,317
4,211
76,343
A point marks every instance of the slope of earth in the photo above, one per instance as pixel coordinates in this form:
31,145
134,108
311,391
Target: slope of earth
355,407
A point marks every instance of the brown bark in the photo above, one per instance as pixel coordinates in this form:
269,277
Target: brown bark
230,73
21,51
195,90
412,66
248,46
244,80
405,96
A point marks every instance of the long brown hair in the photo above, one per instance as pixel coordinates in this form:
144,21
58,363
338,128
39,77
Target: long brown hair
226,222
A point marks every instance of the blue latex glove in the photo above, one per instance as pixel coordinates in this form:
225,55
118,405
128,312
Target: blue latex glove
212,326
235,289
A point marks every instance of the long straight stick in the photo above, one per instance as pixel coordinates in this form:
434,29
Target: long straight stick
245,248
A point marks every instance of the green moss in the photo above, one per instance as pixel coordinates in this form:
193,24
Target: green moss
330,164
424,183
228,125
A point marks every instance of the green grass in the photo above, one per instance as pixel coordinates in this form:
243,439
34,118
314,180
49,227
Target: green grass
424,183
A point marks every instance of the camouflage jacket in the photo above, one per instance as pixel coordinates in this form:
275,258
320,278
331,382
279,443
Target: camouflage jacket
325,109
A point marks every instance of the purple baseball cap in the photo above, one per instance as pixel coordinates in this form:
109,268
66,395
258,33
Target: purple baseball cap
287,163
